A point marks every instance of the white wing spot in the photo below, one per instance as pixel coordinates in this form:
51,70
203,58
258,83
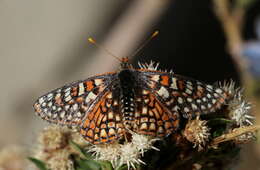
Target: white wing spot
188,91
210,87
198,101
50,104
68,98
186,109
62,114
219,90
145,92
98,82
67,89
155,78
75,106
216,95
163,92
78,114
41,100
189,99
194,107
209,96
67,107
81,89
49,97
144,110
174,84
180,100
176,108
92,96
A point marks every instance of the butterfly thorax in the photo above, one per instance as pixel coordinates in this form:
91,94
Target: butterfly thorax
127,84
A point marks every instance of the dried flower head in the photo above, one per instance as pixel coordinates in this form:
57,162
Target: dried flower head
54,148
13,157
197,132
240,110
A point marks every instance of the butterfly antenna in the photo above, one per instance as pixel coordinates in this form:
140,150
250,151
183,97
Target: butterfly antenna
145,43
92,41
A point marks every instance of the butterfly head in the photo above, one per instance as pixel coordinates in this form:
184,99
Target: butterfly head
125,63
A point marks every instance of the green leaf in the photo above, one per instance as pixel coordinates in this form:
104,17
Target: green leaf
106,165
88,164
40,164
217,121
123,167
81,151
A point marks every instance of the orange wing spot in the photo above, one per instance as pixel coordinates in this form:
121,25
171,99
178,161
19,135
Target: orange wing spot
165,117
156,113
167,125
91,115
111,124
100,117
71,102
97,130
97,113
89,85
82,132
87,122
103,126
111,132
151,104
103,140
96,137
103,133
165,80
90,133
92,125
74,91
37,108
79,99
176,123
158,107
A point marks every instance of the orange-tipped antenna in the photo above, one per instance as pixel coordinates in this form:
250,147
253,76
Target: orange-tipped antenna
92,41
145,43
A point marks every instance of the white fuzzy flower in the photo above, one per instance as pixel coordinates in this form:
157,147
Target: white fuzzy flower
143,143
129,153
240,110
108,152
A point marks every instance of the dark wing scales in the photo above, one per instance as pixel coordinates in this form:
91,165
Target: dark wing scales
184,95
152,117
68,105
103,123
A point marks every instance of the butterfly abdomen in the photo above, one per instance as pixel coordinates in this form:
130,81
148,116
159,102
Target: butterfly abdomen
127,84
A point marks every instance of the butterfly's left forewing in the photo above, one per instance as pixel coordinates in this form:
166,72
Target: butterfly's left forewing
69,104
184,95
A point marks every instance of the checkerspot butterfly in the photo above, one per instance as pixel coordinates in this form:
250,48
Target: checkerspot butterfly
144,100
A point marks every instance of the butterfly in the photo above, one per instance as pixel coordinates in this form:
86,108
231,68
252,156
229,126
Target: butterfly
146,101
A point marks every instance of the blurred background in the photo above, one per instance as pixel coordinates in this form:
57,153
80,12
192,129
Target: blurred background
43,45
